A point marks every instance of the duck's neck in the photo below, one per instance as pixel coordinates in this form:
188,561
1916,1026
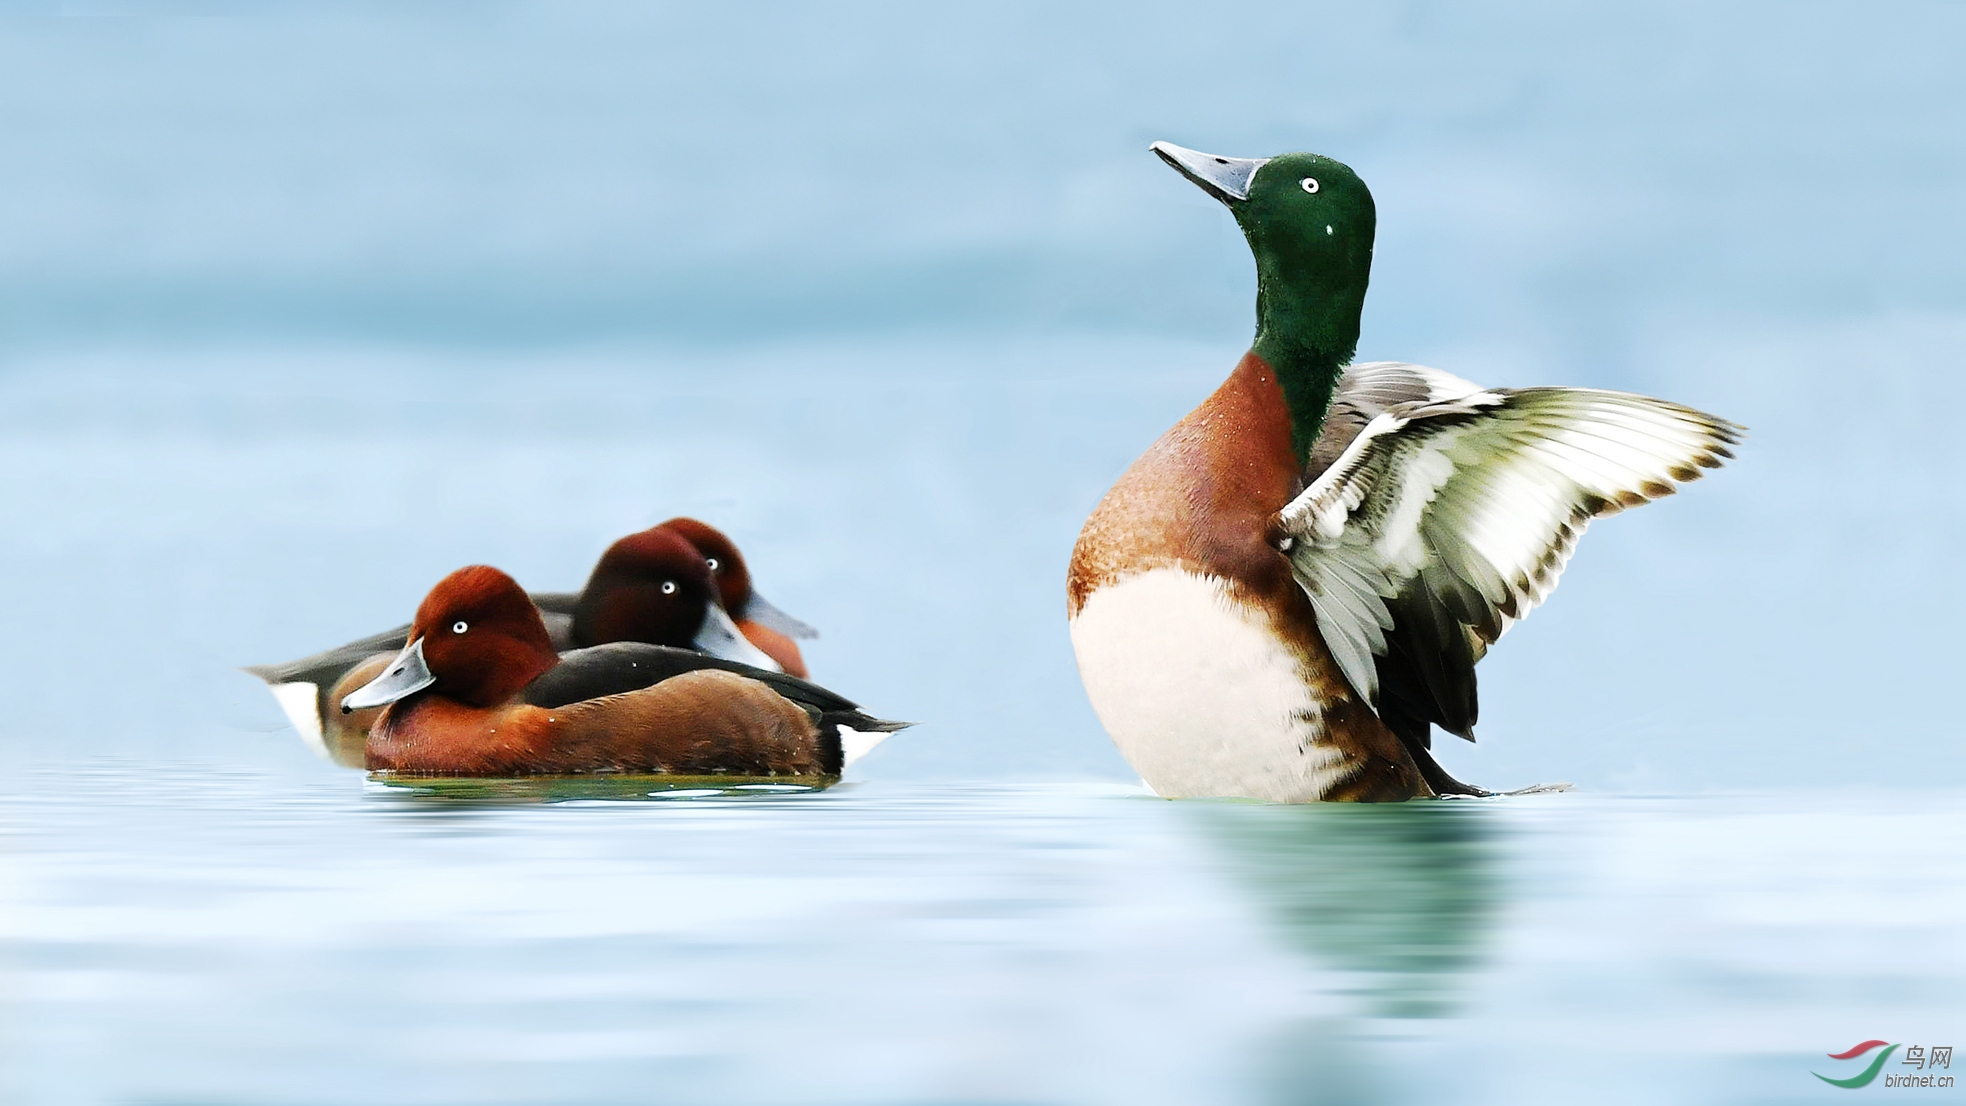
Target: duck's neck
1307,334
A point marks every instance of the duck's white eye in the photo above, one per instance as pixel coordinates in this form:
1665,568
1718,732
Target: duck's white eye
712,562
1308,184
459,627
668,587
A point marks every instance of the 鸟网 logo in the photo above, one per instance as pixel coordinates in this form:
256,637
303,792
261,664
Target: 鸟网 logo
1917,1057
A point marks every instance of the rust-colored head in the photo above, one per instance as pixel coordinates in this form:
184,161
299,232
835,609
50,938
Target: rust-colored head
767,627
720,553
652,586
482,637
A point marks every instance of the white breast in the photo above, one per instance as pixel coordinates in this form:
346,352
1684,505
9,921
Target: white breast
1199,695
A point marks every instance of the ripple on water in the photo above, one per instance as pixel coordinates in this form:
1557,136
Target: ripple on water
189,933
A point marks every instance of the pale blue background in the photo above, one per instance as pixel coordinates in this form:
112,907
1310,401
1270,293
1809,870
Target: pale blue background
301,308
304,305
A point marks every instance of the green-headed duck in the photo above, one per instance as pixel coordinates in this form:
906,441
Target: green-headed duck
1288,589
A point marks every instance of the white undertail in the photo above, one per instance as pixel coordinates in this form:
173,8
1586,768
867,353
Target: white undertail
301,703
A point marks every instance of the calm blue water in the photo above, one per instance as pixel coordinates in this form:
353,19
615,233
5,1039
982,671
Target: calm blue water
220,933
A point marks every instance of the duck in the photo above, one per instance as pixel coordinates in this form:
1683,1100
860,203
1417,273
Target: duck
767,627
1290,589
481,690
653,586
656,586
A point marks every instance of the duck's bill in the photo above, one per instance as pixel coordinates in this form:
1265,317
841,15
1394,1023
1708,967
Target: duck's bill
1225,178
406,675
771,618
720,637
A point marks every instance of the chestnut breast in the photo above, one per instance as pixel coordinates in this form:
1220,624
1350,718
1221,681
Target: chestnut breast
1204,497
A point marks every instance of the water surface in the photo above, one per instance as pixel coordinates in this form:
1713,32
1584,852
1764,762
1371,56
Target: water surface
218,933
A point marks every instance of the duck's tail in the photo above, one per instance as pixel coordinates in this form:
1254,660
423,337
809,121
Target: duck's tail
847,735
300,701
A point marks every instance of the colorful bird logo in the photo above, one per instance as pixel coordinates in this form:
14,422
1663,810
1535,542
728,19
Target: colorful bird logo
1864,1077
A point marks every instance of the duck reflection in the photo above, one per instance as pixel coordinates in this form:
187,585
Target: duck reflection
596,787
1400,895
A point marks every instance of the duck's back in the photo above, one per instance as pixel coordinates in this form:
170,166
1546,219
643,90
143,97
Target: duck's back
699,723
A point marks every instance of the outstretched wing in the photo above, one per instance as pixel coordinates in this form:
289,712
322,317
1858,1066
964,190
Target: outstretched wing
1451,514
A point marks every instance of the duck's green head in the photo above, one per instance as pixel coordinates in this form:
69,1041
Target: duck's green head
1309,221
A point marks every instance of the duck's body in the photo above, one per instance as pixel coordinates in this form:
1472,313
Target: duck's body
699,723
1282,596
1199,651
479,691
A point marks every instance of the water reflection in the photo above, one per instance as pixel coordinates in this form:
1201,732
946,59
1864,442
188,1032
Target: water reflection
1400,896
609,787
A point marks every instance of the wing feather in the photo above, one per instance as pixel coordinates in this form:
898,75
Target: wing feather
1439,514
